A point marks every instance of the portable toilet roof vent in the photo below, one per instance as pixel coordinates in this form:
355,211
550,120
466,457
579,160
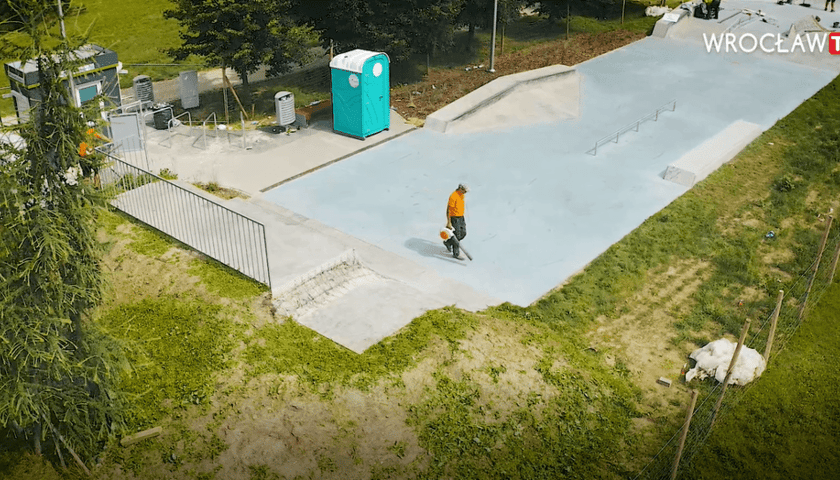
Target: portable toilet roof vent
354,60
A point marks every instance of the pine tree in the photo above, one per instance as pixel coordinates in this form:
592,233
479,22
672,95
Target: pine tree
58,370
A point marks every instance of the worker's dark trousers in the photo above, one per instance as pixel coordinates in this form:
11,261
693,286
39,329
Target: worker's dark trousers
713,10
459,225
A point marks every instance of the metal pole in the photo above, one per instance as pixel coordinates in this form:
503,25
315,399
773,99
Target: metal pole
493,37
70,73
623,3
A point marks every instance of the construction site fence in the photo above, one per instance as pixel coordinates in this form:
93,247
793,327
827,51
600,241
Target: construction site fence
198,222
710,408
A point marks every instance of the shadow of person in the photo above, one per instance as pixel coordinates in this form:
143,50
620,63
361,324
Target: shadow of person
431,249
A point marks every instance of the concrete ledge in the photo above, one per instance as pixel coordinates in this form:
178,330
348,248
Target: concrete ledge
488,94
710,155
660,29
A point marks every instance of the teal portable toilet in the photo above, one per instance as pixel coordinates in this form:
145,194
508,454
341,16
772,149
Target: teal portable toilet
361,98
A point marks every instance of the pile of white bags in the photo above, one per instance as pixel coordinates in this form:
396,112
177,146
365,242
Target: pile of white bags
656,11
714,359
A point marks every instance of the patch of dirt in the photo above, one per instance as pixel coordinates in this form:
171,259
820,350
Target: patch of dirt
279,423
495,350
221,192
443,86
133,277
643,336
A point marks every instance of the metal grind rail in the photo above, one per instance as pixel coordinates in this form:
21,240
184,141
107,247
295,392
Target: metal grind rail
613,137
210,228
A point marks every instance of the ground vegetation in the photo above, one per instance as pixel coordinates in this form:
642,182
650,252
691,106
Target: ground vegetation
564,388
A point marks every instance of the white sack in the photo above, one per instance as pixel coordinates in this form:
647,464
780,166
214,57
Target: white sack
656,11
714,359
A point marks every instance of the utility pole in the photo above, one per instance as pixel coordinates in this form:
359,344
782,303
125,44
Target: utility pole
70,73
493,36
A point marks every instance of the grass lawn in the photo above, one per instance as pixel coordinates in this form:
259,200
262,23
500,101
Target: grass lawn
564,388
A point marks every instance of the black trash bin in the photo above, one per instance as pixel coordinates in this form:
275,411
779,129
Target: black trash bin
163,113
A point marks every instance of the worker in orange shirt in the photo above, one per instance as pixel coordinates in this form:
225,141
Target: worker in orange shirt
455,219
86,149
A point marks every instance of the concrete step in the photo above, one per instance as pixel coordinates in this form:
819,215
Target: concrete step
344,288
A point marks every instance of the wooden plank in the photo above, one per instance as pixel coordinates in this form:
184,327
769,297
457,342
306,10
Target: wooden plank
132,439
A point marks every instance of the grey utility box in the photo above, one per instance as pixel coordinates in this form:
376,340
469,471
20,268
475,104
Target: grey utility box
284,103
189,88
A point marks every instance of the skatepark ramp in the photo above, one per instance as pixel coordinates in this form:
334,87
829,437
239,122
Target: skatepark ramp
709,156
323,284
544,94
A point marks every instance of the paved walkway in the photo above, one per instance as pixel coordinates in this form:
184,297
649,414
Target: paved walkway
540,207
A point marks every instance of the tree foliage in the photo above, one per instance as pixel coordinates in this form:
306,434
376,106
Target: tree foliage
397,27
557,9
58,371
479,14
242,35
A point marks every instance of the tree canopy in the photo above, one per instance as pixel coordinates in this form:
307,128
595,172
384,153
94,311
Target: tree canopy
397,27
241,35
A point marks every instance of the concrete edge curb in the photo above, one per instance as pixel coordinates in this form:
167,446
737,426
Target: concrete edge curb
343,157
702,161
489,94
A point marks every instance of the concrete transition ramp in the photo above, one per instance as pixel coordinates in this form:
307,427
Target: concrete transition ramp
536,96
323,284
705,159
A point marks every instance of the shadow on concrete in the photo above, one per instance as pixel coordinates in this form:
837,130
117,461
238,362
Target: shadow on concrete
432,250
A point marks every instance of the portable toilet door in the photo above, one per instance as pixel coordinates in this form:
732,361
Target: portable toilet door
361,93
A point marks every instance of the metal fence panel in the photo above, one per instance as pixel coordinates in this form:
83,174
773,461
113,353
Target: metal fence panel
209,227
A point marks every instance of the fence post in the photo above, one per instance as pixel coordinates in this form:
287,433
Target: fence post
773,322
814,272
833,266
732,363
688,416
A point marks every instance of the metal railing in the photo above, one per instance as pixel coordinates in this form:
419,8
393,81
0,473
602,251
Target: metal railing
210,228
204,129
174,122
613,137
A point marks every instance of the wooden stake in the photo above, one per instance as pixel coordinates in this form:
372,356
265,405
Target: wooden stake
773,322
60,456
64,442
732,363
568,9
235,96
502,49
688,415
814,271
833,266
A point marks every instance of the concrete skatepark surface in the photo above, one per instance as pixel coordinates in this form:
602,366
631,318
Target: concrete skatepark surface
540,208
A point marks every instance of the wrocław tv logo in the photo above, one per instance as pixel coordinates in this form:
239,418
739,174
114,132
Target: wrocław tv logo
834,43
773,43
